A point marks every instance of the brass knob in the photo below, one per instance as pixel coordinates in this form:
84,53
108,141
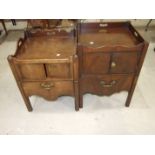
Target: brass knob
91,43
113,64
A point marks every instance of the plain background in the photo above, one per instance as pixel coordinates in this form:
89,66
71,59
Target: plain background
81,9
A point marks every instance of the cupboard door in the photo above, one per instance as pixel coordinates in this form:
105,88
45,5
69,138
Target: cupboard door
124,62
95,63
58,70
32,71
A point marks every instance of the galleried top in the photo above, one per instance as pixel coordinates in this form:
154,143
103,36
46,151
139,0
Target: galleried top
112,35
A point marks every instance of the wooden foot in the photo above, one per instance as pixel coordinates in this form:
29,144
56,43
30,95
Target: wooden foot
81,101
127,104
76,103
76,108
128,100
27,103
76,92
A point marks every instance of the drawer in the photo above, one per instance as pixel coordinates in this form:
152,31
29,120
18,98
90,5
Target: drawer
59,70
31,71
50,90
105,85
124,62
95,63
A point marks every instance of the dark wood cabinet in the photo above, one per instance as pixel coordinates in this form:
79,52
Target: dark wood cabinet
96,58
110,58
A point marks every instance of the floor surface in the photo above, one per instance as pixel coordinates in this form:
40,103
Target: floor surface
100,115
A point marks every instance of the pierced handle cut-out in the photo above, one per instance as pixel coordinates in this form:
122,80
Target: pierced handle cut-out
136,34
20,41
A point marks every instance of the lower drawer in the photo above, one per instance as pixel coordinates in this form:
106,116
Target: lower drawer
105,85
49,90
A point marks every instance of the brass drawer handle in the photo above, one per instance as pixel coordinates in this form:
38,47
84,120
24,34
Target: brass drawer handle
113,64
103,25
47,86
103,84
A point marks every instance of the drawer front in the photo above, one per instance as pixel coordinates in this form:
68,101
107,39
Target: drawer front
105,85
95,63
59,70
124,62
49,90
31,71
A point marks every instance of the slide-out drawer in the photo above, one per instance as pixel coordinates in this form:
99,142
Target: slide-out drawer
49,89
105,85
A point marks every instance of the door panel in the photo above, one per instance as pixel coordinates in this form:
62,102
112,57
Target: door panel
124,62
96,63
58,70
32,71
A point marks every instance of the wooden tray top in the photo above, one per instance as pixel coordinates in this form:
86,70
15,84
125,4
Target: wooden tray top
47,48
108,34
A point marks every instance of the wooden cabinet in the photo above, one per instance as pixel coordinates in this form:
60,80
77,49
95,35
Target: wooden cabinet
110,58
97,58
45,64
